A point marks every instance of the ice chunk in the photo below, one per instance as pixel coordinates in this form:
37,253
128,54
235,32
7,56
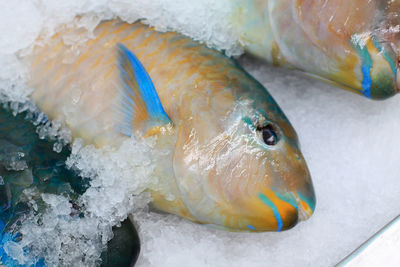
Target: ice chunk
12,156
15,162
23,178
75,232
58,203
54,130
15,251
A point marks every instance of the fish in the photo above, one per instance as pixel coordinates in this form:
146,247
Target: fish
354,44
30,170
235,161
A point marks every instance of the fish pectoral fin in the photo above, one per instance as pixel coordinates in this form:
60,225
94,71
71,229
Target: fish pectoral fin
139,108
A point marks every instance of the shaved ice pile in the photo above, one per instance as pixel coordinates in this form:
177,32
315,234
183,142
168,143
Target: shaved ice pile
351,145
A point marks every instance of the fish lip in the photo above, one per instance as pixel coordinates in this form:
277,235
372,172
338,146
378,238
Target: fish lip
302,214
305,206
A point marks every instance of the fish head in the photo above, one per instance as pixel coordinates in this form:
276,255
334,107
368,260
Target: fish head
238,164
274,188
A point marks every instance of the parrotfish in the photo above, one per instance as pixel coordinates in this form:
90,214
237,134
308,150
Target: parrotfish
353,43
31,173
235,161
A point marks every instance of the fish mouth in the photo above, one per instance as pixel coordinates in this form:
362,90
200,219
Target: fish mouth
379,51
304,209
287,210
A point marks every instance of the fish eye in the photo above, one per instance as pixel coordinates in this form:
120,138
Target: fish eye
269,134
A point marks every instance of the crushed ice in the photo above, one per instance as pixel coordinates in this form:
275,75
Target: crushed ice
348,141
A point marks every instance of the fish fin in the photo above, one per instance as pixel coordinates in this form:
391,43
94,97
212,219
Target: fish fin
140,107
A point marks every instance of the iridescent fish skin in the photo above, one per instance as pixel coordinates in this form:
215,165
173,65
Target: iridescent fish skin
214,119
354,43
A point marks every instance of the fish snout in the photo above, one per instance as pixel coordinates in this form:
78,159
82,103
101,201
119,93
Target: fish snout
379,69
289,199
380,60
279,212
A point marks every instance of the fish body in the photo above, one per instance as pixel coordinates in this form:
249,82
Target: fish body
354,43
29,169
33,177
234,158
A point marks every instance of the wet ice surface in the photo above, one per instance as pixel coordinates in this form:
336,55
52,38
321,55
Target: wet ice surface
351,145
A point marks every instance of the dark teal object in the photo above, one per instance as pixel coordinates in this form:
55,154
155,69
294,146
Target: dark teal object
27,162
123,249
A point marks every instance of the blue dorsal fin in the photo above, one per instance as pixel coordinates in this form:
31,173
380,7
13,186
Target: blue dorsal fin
140,105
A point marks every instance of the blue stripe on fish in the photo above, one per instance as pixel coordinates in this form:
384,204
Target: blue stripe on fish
366,65
288,198
251,227
270,204
366,82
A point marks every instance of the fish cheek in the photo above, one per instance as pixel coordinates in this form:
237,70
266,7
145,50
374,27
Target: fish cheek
234,169
208,173
186,162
